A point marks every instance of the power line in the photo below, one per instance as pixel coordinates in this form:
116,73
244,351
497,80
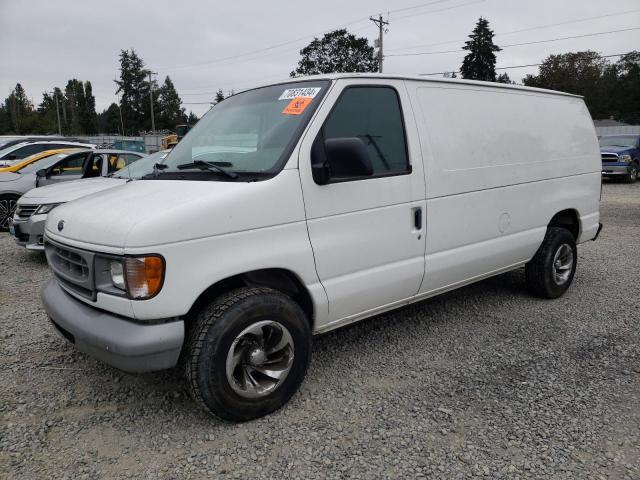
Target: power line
520,44
528,29
414,7
517,66
289,42
262,55
413,15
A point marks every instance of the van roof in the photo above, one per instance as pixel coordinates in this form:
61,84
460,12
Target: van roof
336,76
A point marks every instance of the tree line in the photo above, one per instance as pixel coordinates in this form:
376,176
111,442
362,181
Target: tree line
75,106
610,89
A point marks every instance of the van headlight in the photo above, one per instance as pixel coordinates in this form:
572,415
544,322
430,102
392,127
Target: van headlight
46,208
625,158
116,270
139,277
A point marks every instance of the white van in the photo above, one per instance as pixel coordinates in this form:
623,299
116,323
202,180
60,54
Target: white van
296,208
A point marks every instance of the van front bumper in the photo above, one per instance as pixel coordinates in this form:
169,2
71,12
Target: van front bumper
112,339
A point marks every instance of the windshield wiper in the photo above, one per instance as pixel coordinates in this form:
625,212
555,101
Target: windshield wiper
212,167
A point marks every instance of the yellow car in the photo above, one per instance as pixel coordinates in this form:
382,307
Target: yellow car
34,158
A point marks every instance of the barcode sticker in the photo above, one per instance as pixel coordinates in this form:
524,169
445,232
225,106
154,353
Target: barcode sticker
291,93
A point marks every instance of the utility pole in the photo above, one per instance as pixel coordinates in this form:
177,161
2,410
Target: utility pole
121,122
55,96
380,23
153,121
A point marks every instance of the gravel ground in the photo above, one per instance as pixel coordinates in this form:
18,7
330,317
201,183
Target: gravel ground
485,381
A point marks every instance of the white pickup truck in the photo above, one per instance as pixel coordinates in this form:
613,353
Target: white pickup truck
299,207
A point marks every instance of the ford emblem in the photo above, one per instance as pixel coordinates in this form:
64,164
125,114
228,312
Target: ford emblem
60,225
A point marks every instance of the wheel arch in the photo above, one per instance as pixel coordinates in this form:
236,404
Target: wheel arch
568,219
280,279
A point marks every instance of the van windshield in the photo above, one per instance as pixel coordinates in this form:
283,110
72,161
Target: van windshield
251,133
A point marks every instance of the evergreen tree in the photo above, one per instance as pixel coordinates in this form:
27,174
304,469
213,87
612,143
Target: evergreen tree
170,111
337,51
192,119
88,116
219,97
20,111
480,62
73,104
5,120
133,87
48,116
504,78
109,120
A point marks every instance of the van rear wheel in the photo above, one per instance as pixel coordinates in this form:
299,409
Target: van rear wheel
550,272
247,353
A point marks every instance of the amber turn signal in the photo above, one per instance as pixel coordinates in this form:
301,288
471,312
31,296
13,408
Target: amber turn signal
144,276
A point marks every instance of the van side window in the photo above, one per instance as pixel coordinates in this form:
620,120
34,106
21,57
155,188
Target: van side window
372,114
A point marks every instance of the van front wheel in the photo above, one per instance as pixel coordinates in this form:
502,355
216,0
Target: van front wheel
550,272
247,353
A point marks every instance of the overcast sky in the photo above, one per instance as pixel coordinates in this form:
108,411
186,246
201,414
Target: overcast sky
204,45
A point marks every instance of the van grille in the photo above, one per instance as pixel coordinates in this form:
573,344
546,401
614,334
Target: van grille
71,263
25,211
72,267
610,157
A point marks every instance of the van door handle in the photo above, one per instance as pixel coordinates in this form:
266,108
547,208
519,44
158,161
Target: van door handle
417,218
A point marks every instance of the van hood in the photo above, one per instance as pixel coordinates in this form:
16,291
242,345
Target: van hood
145,213
68,191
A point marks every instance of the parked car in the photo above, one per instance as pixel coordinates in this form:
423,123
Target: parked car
10,140
361,193
62,167
34,158
32,208
19,151
620,156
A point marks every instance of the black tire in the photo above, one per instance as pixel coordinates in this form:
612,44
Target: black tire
212,336
632,176
540,271
7,208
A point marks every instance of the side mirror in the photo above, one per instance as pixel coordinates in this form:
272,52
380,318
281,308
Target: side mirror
42,173
344,157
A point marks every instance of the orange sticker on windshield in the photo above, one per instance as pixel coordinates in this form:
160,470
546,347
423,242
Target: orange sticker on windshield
297,105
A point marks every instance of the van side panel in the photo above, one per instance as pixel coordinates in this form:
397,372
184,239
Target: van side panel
499,165
469,235
484,137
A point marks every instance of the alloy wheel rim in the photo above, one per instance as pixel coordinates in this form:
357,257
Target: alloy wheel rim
7,207
259,359
562,264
